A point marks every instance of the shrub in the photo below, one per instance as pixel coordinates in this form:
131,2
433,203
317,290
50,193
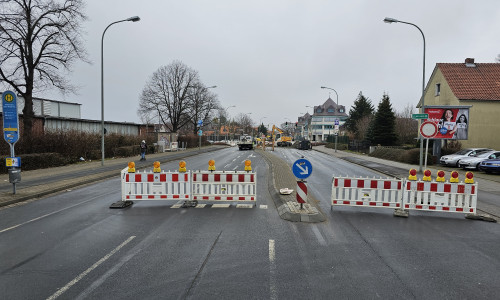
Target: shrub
339,146
451,147
40,161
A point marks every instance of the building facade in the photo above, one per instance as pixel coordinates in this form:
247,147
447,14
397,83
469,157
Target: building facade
326,121
476,85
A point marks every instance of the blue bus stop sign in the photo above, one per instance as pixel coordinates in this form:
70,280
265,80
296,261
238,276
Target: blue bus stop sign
302,168
10,117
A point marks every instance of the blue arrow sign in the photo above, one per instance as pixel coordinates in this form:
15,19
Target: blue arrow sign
302,168
10,117
200,123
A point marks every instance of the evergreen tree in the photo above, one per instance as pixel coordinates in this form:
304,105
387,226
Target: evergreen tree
383,130
362,107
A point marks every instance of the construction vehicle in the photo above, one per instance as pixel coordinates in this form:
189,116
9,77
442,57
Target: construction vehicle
245,142
281,139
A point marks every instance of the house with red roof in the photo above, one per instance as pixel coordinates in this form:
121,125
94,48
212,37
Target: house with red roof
476,85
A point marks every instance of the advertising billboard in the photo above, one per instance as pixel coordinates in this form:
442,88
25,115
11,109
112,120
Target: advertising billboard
452,121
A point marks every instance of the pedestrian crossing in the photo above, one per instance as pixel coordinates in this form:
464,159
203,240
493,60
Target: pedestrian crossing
225,205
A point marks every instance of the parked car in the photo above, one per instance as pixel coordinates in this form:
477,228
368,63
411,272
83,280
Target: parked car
452,159
302,145
490,165
474,161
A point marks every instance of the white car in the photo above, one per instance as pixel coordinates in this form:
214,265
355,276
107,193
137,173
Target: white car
474,161
452,159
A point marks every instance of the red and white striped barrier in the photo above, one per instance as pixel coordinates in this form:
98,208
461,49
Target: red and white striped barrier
238,186
440,196
385,193
156,186
301,192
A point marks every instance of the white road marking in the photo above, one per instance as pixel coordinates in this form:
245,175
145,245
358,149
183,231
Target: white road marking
220,205
46,215
319,236
176,206
200,206
86,272
244,205
272,270
262,206
235,168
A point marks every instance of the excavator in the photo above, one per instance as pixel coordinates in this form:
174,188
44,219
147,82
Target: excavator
280,139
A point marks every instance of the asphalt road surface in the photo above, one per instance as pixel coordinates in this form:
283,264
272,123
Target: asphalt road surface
72,246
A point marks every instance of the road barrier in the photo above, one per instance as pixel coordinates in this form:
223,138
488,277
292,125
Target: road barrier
238,186
193,187
440,196
405,195
156,186
366,192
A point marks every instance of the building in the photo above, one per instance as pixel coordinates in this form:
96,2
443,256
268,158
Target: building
51,115
473,85
325,121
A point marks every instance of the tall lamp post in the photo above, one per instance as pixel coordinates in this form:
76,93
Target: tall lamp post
336,133
226,119
199,133
391,20
132,19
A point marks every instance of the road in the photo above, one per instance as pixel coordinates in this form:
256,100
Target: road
72,246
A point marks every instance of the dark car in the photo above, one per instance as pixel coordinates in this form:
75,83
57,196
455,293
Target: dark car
303,145
490,165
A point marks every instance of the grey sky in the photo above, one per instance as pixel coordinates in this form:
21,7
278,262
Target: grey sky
270,57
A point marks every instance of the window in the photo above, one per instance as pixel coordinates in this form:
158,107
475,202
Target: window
331,110
318,110
438,89
341,110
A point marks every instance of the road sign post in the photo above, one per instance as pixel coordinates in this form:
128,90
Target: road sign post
420,116
428,130
11,134
302,169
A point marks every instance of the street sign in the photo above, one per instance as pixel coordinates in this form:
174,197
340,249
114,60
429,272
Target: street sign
420,116
428,129
10,117
13,162
337,122
200,123
302,168
200,132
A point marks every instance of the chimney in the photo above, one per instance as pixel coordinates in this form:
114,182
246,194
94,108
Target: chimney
469,62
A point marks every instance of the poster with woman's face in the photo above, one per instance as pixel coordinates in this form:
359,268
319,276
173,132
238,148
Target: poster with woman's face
452,123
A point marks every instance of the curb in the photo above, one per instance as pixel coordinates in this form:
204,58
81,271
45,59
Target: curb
287,206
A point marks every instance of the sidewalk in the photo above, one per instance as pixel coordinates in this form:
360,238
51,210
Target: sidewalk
39,183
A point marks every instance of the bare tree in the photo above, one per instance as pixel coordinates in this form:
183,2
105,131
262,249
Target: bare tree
39,42
169,93
202,106
406,127
245,123
363,126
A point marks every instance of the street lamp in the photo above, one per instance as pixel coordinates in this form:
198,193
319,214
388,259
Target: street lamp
324,87
391,20
336,133
132,19
226,119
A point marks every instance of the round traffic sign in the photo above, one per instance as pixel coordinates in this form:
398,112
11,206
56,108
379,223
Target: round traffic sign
428,129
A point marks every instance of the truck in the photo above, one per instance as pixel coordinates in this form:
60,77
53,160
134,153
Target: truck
245,142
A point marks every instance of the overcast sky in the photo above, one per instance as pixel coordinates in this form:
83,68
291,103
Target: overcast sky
270,57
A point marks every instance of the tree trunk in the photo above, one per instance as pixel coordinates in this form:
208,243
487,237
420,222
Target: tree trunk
28,115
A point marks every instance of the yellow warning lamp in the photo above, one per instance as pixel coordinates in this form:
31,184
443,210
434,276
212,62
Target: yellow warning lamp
469,177
427,175
156,167
211,165
454,177
131,167
440,177
248,165
413,175
182,166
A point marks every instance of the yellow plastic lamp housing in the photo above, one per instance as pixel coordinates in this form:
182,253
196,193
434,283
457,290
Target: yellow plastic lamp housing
469,177
131,167
211,165
182,166
413,175
454,177
156,167
248,165
440,177
427,175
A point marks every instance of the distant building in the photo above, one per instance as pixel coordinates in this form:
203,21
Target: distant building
322,122
469,84
53,115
